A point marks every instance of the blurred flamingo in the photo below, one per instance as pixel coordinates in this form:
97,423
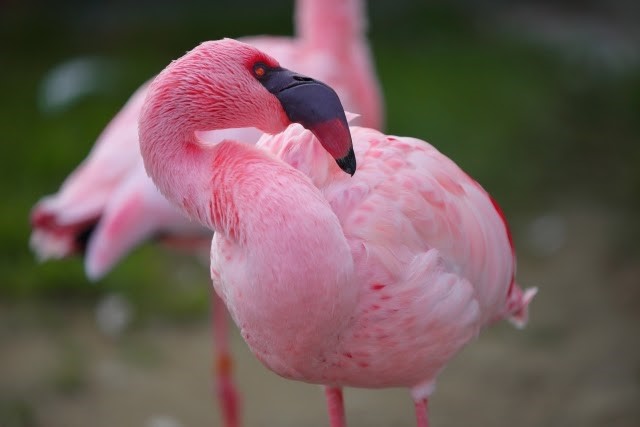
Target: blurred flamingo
108,205
372,280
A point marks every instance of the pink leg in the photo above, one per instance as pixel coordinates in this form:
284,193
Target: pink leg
335,405
228,396
422,418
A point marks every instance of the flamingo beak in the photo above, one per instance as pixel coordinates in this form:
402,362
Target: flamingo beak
315,106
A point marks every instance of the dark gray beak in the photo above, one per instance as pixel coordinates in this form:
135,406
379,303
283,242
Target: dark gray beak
317,107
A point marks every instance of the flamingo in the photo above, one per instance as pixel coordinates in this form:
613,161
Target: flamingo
108,205
369,279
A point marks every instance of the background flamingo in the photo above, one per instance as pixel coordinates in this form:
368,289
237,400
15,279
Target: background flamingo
108,205
375,280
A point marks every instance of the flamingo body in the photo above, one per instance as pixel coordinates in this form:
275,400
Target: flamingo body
375,280
432,257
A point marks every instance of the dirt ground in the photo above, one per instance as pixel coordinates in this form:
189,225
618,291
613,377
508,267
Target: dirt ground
576,364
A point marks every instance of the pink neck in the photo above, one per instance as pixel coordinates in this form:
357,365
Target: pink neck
293,248
330,24
339,27
291,238
180,167
232,187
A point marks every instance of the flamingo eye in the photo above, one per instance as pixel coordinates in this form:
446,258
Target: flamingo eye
259,69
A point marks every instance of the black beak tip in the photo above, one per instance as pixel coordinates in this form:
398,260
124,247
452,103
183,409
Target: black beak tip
348,162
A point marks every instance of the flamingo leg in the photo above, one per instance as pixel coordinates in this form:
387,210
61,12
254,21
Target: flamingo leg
335,405
422,417
228,396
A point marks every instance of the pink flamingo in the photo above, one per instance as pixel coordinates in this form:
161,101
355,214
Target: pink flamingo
373,280
108,205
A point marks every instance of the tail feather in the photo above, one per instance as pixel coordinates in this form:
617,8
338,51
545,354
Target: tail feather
517,309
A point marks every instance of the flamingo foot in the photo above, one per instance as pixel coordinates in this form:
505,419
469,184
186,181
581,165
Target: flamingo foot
335,405
228,396
422,417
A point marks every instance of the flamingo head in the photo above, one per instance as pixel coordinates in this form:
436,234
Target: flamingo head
228,84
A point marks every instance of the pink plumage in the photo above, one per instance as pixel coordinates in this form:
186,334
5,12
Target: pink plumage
375,280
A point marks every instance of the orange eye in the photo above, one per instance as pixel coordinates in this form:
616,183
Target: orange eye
259,70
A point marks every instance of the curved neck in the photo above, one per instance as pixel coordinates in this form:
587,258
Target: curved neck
240,192
291,243
294,252
330,24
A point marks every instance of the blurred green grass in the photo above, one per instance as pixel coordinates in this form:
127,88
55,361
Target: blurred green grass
531,126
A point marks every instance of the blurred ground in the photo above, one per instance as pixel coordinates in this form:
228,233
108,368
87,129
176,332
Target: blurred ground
538,101
575,365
